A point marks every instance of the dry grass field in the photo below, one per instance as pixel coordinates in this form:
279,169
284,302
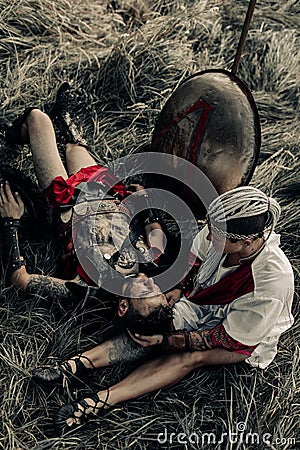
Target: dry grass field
124,58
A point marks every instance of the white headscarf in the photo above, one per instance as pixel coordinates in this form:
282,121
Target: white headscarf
237,203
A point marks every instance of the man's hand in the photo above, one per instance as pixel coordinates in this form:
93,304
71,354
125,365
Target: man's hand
137,188
173,296
146,341
11,205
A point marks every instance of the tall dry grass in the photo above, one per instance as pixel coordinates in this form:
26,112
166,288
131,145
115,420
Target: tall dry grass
124,59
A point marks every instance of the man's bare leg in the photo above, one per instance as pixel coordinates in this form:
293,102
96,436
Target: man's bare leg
118,349
78,157
158,373
47,162
166,371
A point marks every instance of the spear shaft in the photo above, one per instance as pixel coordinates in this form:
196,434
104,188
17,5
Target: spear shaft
243,36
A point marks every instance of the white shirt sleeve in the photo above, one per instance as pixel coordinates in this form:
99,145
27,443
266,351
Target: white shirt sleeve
251,320
200,244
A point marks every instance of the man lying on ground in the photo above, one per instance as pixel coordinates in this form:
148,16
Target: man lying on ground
239,306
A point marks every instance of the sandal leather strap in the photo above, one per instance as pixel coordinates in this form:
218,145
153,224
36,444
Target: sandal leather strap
85,405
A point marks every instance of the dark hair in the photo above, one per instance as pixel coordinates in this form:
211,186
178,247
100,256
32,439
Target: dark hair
248,225
157,322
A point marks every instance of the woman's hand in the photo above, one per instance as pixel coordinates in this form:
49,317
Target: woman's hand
11,205
146,341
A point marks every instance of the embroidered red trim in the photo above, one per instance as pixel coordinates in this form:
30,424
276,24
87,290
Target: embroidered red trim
220,338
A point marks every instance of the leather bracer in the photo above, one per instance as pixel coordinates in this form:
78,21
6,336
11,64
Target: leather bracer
12,256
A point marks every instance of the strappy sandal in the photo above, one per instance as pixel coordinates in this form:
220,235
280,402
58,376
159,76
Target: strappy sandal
61,374
69,411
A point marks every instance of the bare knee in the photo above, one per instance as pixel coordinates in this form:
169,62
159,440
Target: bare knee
36,117
30,121
70,148
73,149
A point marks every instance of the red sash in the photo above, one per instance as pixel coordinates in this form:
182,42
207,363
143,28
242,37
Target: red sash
230,287
60,191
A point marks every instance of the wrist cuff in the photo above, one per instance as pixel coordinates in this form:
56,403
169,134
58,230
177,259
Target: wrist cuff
179,340
11,222
12,257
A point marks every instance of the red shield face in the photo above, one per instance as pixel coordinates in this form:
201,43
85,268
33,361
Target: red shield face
212,121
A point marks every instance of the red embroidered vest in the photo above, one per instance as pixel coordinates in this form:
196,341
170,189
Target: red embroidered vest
230,287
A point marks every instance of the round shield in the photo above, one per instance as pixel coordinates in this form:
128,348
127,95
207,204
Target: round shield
212,121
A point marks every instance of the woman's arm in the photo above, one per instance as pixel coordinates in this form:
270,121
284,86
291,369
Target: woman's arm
11,211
